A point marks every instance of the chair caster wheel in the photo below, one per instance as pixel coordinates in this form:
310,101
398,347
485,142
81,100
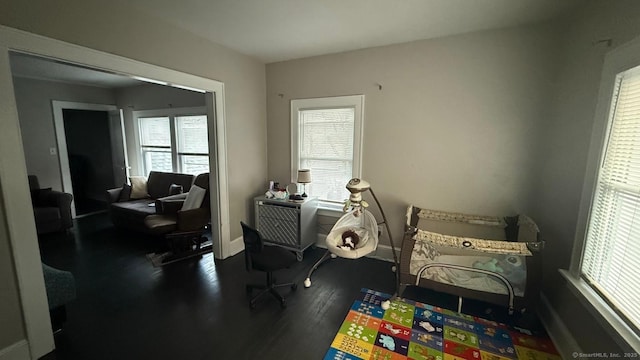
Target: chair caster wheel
294,287
252,305
307,282
283,303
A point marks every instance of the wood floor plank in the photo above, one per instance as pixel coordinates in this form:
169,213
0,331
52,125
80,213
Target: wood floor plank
198,309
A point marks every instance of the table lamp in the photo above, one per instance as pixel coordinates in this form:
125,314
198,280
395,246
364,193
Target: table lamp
304,177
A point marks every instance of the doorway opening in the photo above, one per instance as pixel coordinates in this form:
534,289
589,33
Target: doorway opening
88,137
21,230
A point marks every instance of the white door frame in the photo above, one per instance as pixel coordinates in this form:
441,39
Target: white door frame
63,153
13,172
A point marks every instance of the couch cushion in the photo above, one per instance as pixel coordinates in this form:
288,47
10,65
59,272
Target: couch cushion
159,183
138,187
142,206
160,224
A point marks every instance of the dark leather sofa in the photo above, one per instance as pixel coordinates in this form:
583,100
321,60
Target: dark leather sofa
130,213
51,208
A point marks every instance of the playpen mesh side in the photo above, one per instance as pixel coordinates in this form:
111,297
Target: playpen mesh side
461,218
527,240
489,246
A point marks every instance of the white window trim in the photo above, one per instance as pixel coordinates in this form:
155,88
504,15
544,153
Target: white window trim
618,60
172,113
356,101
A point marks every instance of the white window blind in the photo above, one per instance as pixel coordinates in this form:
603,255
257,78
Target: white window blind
155,143
326,147
326,138
611,259
193,144
173,140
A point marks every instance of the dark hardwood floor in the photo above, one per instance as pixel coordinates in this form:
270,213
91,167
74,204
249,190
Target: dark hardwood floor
198,309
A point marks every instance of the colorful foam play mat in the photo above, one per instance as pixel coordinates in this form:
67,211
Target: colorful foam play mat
413,330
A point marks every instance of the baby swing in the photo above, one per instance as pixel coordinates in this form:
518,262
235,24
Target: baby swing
355,234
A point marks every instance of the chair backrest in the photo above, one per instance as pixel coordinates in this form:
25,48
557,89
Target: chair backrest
252,243
33,182
202,180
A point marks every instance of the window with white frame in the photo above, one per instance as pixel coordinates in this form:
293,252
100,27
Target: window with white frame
609,262
173,140
326,137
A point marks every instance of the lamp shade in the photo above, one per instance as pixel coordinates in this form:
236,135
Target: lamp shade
304,176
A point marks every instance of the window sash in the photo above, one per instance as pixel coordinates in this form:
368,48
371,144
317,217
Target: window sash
612,247
191,134
318,153
184,140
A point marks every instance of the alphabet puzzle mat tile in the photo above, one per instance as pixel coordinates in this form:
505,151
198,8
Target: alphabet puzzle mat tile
417,331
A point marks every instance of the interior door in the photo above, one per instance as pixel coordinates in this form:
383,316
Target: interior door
114,125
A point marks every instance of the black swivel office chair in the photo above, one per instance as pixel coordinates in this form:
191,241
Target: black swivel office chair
267,259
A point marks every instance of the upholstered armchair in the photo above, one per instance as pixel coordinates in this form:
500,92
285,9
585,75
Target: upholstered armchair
177,214
182,219
51,209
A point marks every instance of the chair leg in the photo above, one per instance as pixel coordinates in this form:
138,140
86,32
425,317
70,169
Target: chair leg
270,288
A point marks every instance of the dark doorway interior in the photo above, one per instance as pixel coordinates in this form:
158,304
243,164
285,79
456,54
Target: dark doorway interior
90,160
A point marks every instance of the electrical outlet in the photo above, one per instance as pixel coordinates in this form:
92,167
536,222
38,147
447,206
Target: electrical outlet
52,151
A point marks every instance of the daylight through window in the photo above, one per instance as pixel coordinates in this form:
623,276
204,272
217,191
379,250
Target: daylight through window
326,138
173,143
610,259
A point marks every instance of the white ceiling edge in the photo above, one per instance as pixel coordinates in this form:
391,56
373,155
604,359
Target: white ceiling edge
280,30
38,68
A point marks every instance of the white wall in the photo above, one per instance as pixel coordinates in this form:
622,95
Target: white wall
563,150
454,127
36,122
150,97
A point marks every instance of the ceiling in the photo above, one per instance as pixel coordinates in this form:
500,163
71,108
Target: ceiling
34,67
277,30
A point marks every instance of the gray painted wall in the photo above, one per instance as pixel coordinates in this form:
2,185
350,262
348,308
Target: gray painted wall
160,43
492,122
150,97
454,127
563,149
36,122
91,24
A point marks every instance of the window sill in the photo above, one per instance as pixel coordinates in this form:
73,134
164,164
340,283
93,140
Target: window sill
602,311
330,209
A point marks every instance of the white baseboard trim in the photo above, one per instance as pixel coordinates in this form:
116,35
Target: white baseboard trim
236,246
558,331
17,351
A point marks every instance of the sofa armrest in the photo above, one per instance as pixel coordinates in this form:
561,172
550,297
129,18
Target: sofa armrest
62,201
170,204
193,219
113,195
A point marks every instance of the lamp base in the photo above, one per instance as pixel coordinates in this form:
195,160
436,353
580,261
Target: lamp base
304,195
